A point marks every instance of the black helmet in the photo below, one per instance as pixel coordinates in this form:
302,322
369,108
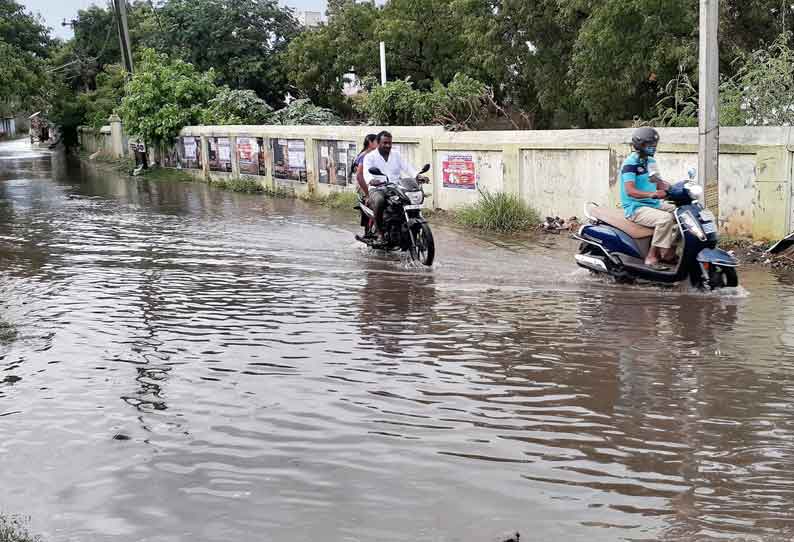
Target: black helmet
644,137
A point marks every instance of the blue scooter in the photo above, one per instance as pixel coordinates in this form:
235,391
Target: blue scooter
615,246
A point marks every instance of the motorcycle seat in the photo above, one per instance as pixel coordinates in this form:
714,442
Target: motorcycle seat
616,219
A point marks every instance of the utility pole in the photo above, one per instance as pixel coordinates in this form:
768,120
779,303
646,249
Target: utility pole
120,8
382,63
709,111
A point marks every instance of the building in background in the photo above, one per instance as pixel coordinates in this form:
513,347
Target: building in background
310,19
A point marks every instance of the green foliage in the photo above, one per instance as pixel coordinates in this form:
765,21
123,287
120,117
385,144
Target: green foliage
764,80
498,212
334,200
460,105
247,186
236,107
304,112
13,529
244,41
678,106
23,31
106,99
163,96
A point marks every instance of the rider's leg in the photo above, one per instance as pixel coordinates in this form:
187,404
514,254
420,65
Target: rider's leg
663,223
377,202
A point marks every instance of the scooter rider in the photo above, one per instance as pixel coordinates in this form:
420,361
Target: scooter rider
642,192
391,164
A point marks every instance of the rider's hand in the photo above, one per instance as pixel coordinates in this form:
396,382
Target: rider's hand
660,194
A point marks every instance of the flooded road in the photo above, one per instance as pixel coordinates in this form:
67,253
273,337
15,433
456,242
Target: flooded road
180,363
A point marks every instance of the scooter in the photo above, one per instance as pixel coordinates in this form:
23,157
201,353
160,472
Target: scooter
614,246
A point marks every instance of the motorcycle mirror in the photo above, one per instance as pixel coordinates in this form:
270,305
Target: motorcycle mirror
425,169
375,171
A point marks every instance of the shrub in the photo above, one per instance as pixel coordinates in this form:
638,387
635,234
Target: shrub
236,107
248,186
12,529
499,212
304,112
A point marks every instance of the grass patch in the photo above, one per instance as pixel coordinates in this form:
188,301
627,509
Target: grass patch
245,186
13,529
497,212
334,200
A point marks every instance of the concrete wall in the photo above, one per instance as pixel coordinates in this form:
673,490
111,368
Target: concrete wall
92,140
555,172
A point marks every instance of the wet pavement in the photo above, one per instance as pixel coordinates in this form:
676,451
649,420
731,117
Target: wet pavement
182,363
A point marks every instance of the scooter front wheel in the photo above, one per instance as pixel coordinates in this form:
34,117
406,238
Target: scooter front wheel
723,277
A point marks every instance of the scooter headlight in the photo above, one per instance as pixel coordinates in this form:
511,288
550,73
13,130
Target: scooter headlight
416,197
695,190
692,225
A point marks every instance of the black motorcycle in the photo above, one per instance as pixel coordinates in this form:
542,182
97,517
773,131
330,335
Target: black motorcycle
404,227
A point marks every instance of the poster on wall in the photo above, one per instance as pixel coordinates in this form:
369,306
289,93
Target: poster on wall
191,149
248,155
459,172
296,151
262,158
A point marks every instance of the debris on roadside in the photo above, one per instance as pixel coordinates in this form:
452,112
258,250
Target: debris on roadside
758,253
557,224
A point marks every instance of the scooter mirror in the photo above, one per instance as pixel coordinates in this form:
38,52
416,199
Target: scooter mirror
425,169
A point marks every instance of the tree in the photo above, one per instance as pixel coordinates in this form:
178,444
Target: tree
624,47
318,59
244,41
23,31
22,79
164,96
304,112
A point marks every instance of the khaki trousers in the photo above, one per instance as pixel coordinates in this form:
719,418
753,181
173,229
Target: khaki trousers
661,219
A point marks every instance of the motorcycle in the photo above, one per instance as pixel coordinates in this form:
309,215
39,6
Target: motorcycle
615,246
404,227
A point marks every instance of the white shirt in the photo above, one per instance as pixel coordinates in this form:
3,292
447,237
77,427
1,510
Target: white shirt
393,169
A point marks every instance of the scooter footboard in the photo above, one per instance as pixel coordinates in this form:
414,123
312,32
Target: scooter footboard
717,256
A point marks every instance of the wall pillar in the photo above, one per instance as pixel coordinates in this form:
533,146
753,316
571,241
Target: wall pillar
205,157
116,137
772,193
312,173
511,168
235,156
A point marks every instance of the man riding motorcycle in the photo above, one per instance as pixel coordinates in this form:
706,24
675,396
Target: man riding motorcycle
391,164
642,192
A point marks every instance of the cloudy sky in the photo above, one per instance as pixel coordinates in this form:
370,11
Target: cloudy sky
55,11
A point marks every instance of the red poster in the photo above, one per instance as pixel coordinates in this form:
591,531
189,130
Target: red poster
460,172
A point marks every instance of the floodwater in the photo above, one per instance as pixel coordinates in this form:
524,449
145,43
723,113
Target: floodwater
180,363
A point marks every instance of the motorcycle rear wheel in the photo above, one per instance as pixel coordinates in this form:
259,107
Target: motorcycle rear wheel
424,249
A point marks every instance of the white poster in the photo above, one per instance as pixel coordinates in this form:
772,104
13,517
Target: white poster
324,151
224,150
297,154
190,148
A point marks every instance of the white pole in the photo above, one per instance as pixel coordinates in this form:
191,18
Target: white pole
382,63
709,113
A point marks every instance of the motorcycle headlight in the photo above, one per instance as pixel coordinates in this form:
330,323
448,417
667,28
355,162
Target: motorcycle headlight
692,225
416,197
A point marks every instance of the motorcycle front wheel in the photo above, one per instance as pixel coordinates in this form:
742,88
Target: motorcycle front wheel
424,249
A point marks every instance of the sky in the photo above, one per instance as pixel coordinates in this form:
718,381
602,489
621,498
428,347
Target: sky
55,11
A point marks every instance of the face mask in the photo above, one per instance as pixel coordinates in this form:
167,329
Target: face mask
650,151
